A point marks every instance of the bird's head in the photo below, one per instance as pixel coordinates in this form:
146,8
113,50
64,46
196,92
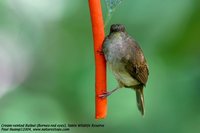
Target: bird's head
117,28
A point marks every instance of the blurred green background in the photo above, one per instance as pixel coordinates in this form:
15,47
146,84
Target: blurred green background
47,65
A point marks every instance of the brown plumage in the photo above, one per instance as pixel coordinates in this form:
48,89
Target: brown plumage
127,62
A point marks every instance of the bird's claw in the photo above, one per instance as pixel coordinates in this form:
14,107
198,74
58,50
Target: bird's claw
104,95
100,52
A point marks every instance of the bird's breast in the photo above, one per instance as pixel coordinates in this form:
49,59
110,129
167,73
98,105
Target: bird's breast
122,75
114,52
115,49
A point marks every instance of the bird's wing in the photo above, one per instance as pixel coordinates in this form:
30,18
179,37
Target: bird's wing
138,72
135,62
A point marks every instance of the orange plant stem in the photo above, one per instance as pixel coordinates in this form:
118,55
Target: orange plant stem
100,63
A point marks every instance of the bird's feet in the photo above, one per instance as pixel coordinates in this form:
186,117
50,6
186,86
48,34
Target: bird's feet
100,52
104,95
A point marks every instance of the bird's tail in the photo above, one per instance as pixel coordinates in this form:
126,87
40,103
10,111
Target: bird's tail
140,99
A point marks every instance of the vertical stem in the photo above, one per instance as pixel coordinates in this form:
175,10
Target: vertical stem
100,63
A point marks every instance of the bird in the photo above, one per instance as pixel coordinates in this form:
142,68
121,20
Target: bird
127,62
